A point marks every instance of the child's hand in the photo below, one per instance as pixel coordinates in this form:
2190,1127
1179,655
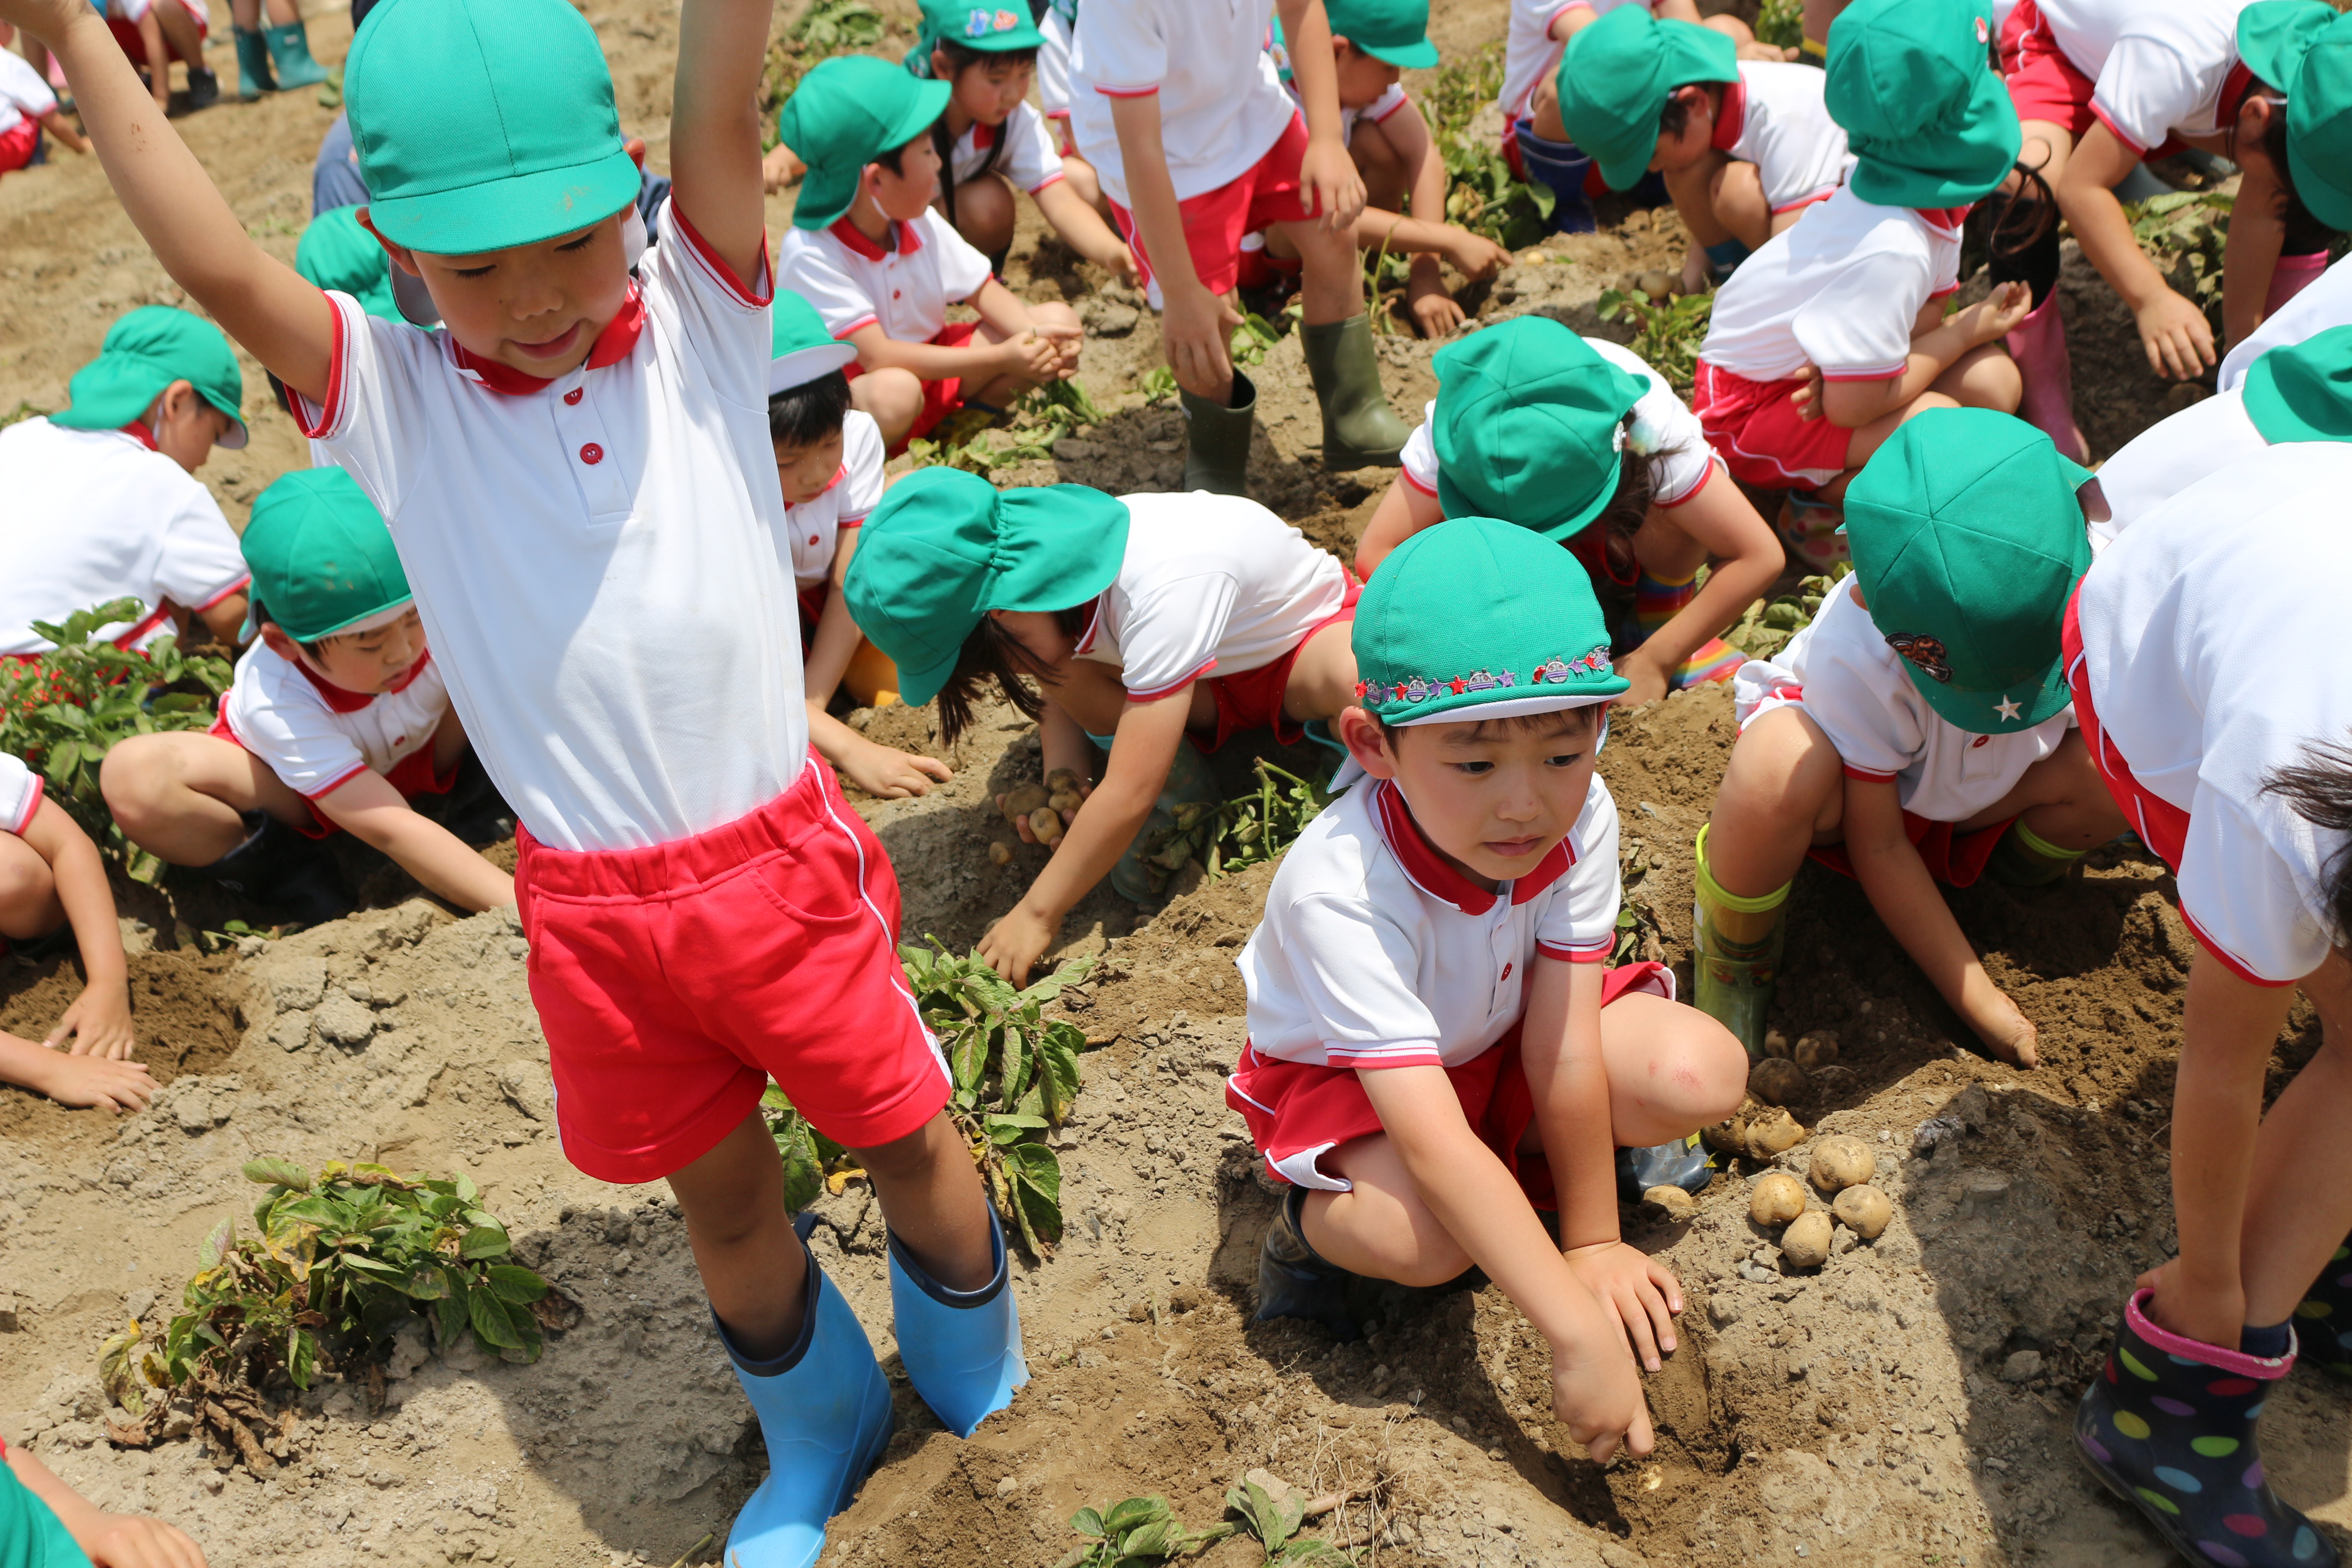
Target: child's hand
2007,1032
128,1541
1647,680
1032,354
1435,312
1120,264
2176,334
1196,326
1997,314
1014,945
100,1024
1807,399
1636,1290
1474,256
780,168
1029,834
1599,1400
1697,271
888,774
1067,343
1333,188
83,1082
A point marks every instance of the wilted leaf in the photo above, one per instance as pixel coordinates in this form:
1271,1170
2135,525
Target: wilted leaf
269,1170
426,1282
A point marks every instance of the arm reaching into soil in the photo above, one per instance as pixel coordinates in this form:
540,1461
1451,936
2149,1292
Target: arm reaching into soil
1721,520
2174,333
1404,512
883,771
82,1082
374,812
111,1540
99,1019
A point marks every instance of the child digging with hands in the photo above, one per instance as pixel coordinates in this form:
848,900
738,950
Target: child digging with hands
1436,1048
867,249
576,468
1918,730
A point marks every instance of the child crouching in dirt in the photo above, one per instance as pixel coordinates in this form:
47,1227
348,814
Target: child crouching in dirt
829,461
2231,764
1579,440
1918,730
45,1524
1160,625
1435,1047
338,719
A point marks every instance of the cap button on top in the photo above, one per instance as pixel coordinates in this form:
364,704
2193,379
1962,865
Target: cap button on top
591,453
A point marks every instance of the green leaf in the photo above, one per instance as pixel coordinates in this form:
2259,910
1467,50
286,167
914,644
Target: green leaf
466,1191
215,1246
514,1284
1134,1511
491,1326
450,1315
271,1170
425,1282
804,1171
301,1357
1087,1522
485,1240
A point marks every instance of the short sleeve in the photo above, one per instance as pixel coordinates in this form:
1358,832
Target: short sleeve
807,270
1388,103
20,794
690,291
366,425
200,563
1420,458
1857,326
962,270
861,468
2145,88
1353,971
2240,897
1579,924
21,84
1663,429
1874,739
297,740
1168,638
1029,160
1125,48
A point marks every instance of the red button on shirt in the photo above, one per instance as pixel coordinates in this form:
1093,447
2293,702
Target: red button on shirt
574,395
591,453
1506,971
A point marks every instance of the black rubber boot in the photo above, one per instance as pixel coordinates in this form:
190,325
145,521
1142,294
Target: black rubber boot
1360,429
2170,1427
2323,1322
1293,1280
473,811
1217,440
203,88
1681,1163
276,867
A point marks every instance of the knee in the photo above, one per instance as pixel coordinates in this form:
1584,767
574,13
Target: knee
891,395
1708,1072
1431,1265
26,882
909,1158
1054,313
130,780
984,213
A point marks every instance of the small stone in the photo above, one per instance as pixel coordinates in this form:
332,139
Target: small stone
297,984
291,1032
1008,1485
2023,1366
343,1022
1071,449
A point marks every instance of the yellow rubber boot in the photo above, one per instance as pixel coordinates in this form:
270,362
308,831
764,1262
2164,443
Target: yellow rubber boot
1736,953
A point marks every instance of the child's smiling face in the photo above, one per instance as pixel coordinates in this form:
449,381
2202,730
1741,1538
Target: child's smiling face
987,91
1493,795
806,471
534,307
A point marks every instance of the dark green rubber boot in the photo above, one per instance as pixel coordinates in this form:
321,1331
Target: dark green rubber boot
1360,429
290,56
1217,440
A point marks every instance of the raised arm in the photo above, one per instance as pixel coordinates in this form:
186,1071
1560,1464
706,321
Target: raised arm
714,127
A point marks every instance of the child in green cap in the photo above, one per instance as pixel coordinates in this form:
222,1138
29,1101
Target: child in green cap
1437,1048
1745,146
1161,626
1917,732
577,471
338,721
882,267
990,141
1854,294
45,1524
1580,441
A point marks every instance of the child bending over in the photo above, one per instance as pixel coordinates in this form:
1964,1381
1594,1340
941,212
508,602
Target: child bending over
1436,1048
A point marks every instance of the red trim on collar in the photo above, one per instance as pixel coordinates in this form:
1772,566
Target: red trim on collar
2234,95
137,430
1434,874
905,241
613,344
984,135
1946,218
340,699
1732,118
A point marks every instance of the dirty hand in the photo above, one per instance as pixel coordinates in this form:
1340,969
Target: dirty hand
1636,1290
2211,1314
2007,1032
1435,313
1648,681
1029,834
886,772
1196,327
1996,315
1067,341
1476,256
100,1024
127,1540
1120,264
1807,399
1334,191
2176,334
83,1082
1599,1400
1030,354
1014,945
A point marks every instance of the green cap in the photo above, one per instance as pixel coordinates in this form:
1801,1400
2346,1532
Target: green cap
1528,427
336,252
1616,75
2303,391
144,353
1930,123
321,558
946,547
1394,32
1475,618
984,29
1967,538
482,125
800,348
2304,49
845,113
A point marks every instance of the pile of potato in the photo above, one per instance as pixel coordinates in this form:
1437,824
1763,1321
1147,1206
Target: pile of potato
1046,808
1841,1168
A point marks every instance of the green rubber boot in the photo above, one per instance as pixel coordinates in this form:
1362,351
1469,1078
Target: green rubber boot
1736,953
290,56
2023,858
1142,871
1217,440
254,75
1360,429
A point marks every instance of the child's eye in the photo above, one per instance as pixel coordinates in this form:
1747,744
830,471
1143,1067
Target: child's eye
1563,759
473,272
1476,770
580,244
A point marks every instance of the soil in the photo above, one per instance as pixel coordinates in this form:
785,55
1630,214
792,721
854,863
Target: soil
1906,1403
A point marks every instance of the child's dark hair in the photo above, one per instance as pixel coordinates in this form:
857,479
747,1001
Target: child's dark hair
1675,118
961,59
2304,233
2319,790
991,653
262,617
1510,723
804,414
889,158
1622,519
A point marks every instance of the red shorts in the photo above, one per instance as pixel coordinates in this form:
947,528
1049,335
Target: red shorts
1252,699
1756,432
126,33
1214,221
413,775
2161,825
1953,858
812,602
2045,85
1298,1112
940,398
18,147
673,981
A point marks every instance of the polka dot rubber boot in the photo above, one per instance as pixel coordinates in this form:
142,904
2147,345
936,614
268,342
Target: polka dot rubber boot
2169,1424
1813,530
2323,1322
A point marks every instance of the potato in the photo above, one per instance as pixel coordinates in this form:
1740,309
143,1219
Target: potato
1806,1242
1019,803
1062,780
1066,800
1841,1163
1817,1049
1771,1132
1729,1136
1776,1080
1776,1198
1863,1210
1000,853
1047,823
1669,1204
1657,285
1775,1043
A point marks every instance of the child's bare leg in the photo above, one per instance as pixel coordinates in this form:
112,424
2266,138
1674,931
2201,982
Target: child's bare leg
931,1195
1381,1229
2299,1203
984,214
1732,27
2063,798
28,892
1387,181
893,398
1984,377
1001,391
733,1200
1736,197
1671,1069
1783,793
183,796
1332,283
179,34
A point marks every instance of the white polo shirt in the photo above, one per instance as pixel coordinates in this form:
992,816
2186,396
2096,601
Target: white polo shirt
316,737
1839,288
95,515
1056,26
23,94
812,529
1029,159
1376,112
2158,70
906,288
2327,302
2172,455
1374,952
1211,584
596,557
2205,642
1222,107
20,794
1842,673
1663,424
1530,54
1775,117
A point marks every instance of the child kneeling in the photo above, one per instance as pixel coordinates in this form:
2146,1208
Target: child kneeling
1477,1061
337,718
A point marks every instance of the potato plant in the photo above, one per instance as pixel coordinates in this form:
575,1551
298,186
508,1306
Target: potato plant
1666,332
1482,194
1230,835
1768,624
1136,1531
1275,1522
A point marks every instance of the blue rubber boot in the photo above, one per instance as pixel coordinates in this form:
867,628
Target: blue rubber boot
824,1410
2170,1427
961,1348
2323,1320
1560,166
1681,1163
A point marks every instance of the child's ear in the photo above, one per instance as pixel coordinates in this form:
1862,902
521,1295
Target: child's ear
281,645
942,68
1366,742
400,254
